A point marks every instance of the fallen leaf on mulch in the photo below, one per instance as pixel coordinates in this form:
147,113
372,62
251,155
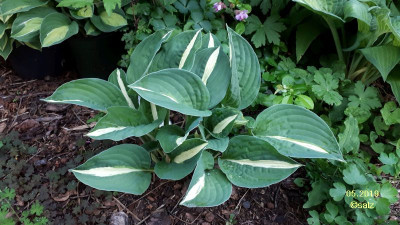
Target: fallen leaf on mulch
82,127
2,127
64,197
26,125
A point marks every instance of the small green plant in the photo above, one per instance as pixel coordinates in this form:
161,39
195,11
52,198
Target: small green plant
9,215
190,74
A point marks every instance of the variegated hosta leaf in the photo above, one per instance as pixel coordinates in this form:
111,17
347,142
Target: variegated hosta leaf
6,46
170,137
332,8
8,7
358,10
27,25
209,187
220,123
297,132
384,58
175,89
55,28
82,13
212,66
381,21
3,28
252,162
178,52
90,29
210,41
143,54
246,78
93,93
124,168
218,144
118,78
122,122
182,160
109,23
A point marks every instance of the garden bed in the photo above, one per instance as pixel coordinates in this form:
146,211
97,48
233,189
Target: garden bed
57,132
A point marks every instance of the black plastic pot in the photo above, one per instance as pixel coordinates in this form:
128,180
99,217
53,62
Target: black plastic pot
96,56
31,64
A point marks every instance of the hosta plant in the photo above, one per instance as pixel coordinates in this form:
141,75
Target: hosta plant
190,74
44,23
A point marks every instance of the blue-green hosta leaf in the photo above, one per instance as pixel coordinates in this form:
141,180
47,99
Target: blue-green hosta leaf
178,52
252,162
331,8
384,58
220,123
124,168
182,160
218,144
209,187
27,25
170,137
246,79
381,21
212,66
93,93
122,122
297,132
6,46
90,29
82,13
55,28
358,10
8,7
210,41
109,23
143,55
175,89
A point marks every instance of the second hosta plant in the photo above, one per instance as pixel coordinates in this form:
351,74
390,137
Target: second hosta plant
190,74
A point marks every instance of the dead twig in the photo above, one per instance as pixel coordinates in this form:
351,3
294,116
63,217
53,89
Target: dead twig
150,214
129,211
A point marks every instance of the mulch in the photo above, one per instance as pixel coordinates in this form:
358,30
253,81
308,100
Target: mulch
58,131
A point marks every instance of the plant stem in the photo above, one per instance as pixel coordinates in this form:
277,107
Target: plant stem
150,136
154,111
335,38
166,119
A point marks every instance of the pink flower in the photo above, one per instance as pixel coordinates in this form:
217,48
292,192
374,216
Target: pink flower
218,6
241,15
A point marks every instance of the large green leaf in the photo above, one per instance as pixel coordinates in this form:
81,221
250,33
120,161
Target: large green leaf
82,13
118,78
331,8
209,187
246,75
212,66
305,35
297,132
220,123
122,122
8,7
394,81
124,168
93,93
384,58
210,41
178,52
358,10
252,162
56,28
109,23
182,160
75,3
175,89
143,54
27,25
218,144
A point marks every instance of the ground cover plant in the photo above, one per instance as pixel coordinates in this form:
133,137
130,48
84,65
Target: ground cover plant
191,74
